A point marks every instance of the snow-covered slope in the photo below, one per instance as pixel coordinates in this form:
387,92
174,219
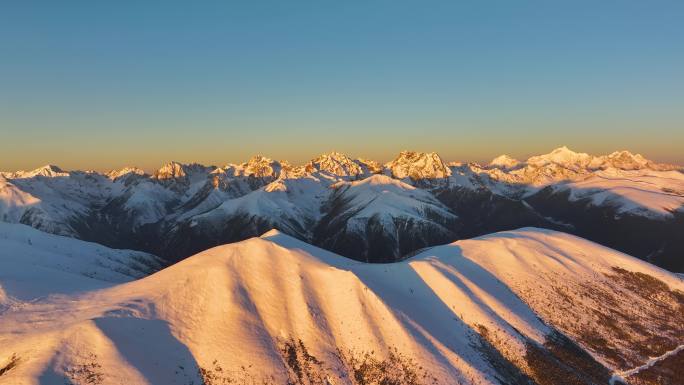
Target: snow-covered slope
51,199
388,217
34,264
637,192
521,307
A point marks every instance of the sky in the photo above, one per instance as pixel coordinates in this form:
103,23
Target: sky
102,85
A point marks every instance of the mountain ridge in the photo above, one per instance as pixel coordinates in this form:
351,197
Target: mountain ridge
274,309
182,209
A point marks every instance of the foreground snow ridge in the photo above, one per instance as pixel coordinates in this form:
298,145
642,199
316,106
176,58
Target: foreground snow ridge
507,308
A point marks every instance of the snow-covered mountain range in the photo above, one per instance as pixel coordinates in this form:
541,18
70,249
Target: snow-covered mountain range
530,306
359,208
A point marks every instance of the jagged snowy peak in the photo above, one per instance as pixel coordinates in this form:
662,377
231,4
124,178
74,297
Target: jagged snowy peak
49,171
125,173
182,173
260,167
171,170
337,164
625,160
418,166
372,166
275,310
35,264
560,165
238,180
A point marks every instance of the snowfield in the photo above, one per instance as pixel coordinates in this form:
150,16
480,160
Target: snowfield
517,307
644,193
34,264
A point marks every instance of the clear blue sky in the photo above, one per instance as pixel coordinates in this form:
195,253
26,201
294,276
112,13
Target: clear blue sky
100,85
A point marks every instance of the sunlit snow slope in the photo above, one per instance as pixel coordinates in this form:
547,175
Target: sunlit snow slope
520,307
35,264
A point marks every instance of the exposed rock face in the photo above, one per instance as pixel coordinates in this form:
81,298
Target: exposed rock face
418,166
260,167
337,164
125,172
172,170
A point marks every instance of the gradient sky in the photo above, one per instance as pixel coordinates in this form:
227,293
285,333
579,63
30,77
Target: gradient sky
100,85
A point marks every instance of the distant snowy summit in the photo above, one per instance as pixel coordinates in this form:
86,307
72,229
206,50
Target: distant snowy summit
357,207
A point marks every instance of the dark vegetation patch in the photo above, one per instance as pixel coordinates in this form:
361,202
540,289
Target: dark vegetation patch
11,363
395,369
651,287
217,375
621,316
561,362
669,371
508,373
665,310
303,368
88,373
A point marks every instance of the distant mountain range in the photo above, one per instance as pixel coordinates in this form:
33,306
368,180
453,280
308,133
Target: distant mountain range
360,208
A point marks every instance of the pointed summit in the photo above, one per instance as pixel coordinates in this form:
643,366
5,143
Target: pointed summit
335,163
49,170
623,160
171,170
418,165
562,156
504,162
124,173
260,166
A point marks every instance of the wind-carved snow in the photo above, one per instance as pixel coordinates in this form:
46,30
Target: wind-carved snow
243,311
647,193
35,264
